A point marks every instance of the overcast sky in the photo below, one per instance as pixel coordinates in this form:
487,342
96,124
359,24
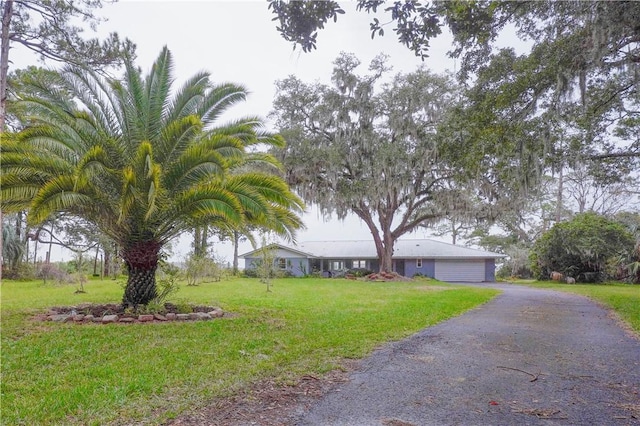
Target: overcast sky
237,41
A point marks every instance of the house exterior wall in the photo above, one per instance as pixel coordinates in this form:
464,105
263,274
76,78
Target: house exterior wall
471,270
329,267
427,268
374,265
297,266
489,270
250,262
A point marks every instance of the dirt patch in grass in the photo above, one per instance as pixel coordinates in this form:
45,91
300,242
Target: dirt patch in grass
267,403
434,288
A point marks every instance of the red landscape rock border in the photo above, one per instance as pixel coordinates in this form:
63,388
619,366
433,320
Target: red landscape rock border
113,313
386,276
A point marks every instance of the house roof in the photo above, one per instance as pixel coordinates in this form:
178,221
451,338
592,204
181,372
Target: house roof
293,249
403,249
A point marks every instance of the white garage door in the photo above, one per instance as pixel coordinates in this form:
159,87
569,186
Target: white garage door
460,270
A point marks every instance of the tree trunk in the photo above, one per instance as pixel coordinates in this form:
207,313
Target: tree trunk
95,261
200,241
205,241
384,245
35,251
236,239
559,196
1,243
384,250
106,267
141,287
386,261
196,241
7,14
141,260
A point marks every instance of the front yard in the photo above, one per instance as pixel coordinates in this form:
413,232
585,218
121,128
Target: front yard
84,374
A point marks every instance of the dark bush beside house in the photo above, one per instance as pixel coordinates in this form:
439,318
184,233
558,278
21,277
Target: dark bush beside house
250,273
589,248
253,273
359,272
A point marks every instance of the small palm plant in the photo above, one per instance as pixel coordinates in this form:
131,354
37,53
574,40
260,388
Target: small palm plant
140,163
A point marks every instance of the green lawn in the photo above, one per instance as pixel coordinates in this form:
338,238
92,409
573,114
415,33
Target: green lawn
624,299
66,374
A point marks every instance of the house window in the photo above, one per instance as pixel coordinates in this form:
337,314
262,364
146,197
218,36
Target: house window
337,265
360,264
418,263
282,263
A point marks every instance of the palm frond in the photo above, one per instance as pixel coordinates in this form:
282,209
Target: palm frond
95,95
197,165
16,196
271,187
95,166
58,194
158,84
210,202
129,193
176,137
154,189
188,98
263,160
232,149
219,99
285,223
254,205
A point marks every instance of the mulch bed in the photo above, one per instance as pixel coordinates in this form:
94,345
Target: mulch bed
117,313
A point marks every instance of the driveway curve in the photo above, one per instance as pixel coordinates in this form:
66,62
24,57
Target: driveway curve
528,357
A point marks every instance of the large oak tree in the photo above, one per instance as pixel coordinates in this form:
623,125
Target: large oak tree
563,47
369,147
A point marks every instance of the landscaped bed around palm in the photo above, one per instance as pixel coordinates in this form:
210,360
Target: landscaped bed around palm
64,373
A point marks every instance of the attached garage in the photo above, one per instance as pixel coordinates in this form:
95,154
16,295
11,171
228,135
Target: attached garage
460,270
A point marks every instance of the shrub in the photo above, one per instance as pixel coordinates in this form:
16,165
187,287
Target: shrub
359,272
51,271
19,271
166,284
251,273
201,268
582,248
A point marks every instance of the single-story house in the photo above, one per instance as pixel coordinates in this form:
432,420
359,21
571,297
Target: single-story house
435,259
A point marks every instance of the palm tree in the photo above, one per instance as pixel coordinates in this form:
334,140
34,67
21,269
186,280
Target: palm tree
142,164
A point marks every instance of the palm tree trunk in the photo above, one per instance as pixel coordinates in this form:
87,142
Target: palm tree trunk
141,260
141,287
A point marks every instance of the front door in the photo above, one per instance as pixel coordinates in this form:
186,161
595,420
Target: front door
400,267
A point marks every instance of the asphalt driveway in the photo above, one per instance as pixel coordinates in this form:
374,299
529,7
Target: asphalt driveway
528,357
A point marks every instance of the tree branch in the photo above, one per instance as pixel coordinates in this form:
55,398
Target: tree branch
615,155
